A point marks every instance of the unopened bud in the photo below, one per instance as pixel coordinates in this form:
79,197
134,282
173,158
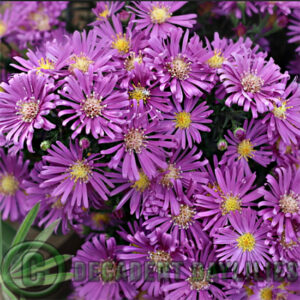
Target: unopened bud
222,145
84,143
45,145
239,133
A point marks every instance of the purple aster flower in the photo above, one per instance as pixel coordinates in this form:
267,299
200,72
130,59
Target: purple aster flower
280,7
93,104
107,281
182,171
105,10
196,281
137,192
72,177
282,202
294,29
186,123
243,241
157,17
13,200
178,66
231,191
140,145
25,102
51,208
283,120
236,8
158,258
144,94
252,82
243,150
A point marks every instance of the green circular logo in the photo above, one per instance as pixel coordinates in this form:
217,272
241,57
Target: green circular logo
26,253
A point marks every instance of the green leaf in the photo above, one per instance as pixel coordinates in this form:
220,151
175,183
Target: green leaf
26,225
46,265
7,293
41,237
8,233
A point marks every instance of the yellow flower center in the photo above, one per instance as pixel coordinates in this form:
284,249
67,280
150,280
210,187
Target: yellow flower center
161,259
252,83
28,110
183,120
280,111
100,218
179,67
185,217
8,185
41,21
246,242
134,140
141,184
229,204
80,171
104,13
108,270
171,173
92,106
159,15
81,63
216,61
139,93
131,60
121,43
45,64
266,293
245,149
2,28
289,203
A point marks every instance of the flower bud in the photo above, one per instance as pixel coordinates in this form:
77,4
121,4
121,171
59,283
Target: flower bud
239,133
84,143
45,145
222,145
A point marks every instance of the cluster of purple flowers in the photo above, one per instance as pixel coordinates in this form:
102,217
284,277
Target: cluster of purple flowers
140,95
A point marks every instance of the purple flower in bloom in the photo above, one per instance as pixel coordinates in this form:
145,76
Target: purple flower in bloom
139,142
231,191
283,120
188,122
105,10
243,241
182,171
294,29
156,17
243,150
195,281
137,192
13,200
252,82
178,66
25,102
107,281
93,104
72,177
282,202
236,8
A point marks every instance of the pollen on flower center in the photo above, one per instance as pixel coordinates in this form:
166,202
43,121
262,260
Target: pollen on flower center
245,149
179,67
8,185
80,171
170,173
104,13
134,140
141,184
230,203
45,64
2,28
92,106
216,61
289,203
185,217
41,21
280,111
81,63
131,59
199,281
139,93
252,83
246,242
108,270
121,43
183,120
159,15
266,293
160,258
28,110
